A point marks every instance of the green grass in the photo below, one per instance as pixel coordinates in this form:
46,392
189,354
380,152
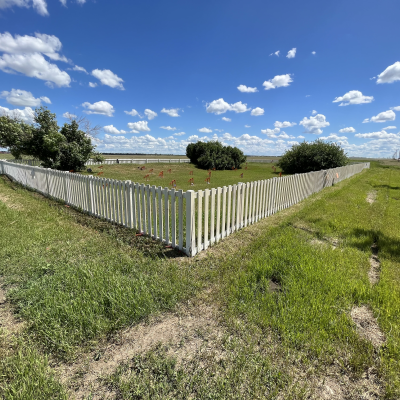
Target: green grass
180,173
73,284
25,374
76,280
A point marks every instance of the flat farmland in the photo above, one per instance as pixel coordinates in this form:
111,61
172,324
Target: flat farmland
181,173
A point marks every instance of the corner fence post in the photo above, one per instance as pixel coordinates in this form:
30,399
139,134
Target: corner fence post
190,215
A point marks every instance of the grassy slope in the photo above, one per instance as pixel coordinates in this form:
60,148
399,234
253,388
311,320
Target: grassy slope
72,283
180,173
64,288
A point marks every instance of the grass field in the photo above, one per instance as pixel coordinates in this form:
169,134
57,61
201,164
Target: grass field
268,312
181,174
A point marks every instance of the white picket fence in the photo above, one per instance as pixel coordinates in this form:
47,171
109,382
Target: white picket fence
140,161
189,221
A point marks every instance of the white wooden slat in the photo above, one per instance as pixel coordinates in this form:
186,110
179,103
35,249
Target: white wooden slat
180,215
160,214
199,220
173,219
212,237
206,217
143,209
233,213
148,209
228,213
218,231
223,224
166,215
154,211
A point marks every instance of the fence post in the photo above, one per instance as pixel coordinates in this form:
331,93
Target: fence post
47,181
190,215
1,168
89,190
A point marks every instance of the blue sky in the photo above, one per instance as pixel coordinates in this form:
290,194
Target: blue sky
258,75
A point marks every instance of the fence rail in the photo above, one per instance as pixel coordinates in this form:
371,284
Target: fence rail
189,221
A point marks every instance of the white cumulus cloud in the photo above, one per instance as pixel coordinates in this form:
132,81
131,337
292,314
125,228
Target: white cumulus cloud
112,129
220,106
350,129
140,126
226,119
172,112
353,97
247,126
100,107
256,112
92,84
278,81
384,116
314,124
133,113
271,132
314,112
168,128
395,108
205,130
34,65
79,69
377,135
179,133
39,5
284,124
389,127
246,89
108,78
291,53
49,45
390,74
22,98
68,115
150,114
276,53
26,115
333,137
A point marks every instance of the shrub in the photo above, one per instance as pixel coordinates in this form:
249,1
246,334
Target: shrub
314,156
214,155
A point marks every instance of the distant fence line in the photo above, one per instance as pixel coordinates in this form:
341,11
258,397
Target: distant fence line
110,161
189,221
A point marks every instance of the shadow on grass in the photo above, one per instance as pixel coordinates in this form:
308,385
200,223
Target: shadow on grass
386,187
147,245
384,244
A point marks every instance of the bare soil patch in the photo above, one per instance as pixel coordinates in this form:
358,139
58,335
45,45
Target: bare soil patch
8,323
374,272
10,203
188,330
338,386
367,325
371,197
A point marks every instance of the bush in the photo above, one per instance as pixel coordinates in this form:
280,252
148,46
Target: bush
214,155
314,156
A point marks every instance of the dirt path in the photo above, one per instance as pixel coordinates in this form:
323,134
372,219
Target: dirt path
186,331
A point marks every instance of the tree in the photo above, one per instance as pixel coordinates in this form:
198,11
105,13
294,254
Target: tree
314,156
214,155
68,148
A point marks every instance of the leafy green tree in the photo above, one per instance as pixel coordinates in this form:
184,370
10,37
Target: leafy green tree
313,156
68,148
214,155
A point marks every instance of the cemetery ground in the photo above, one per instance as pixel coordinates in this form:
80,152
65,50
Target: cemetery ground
303,304
163,174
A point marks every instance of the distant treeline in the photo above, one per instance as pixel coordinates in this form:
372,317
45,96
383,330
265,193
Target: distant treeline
141,154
